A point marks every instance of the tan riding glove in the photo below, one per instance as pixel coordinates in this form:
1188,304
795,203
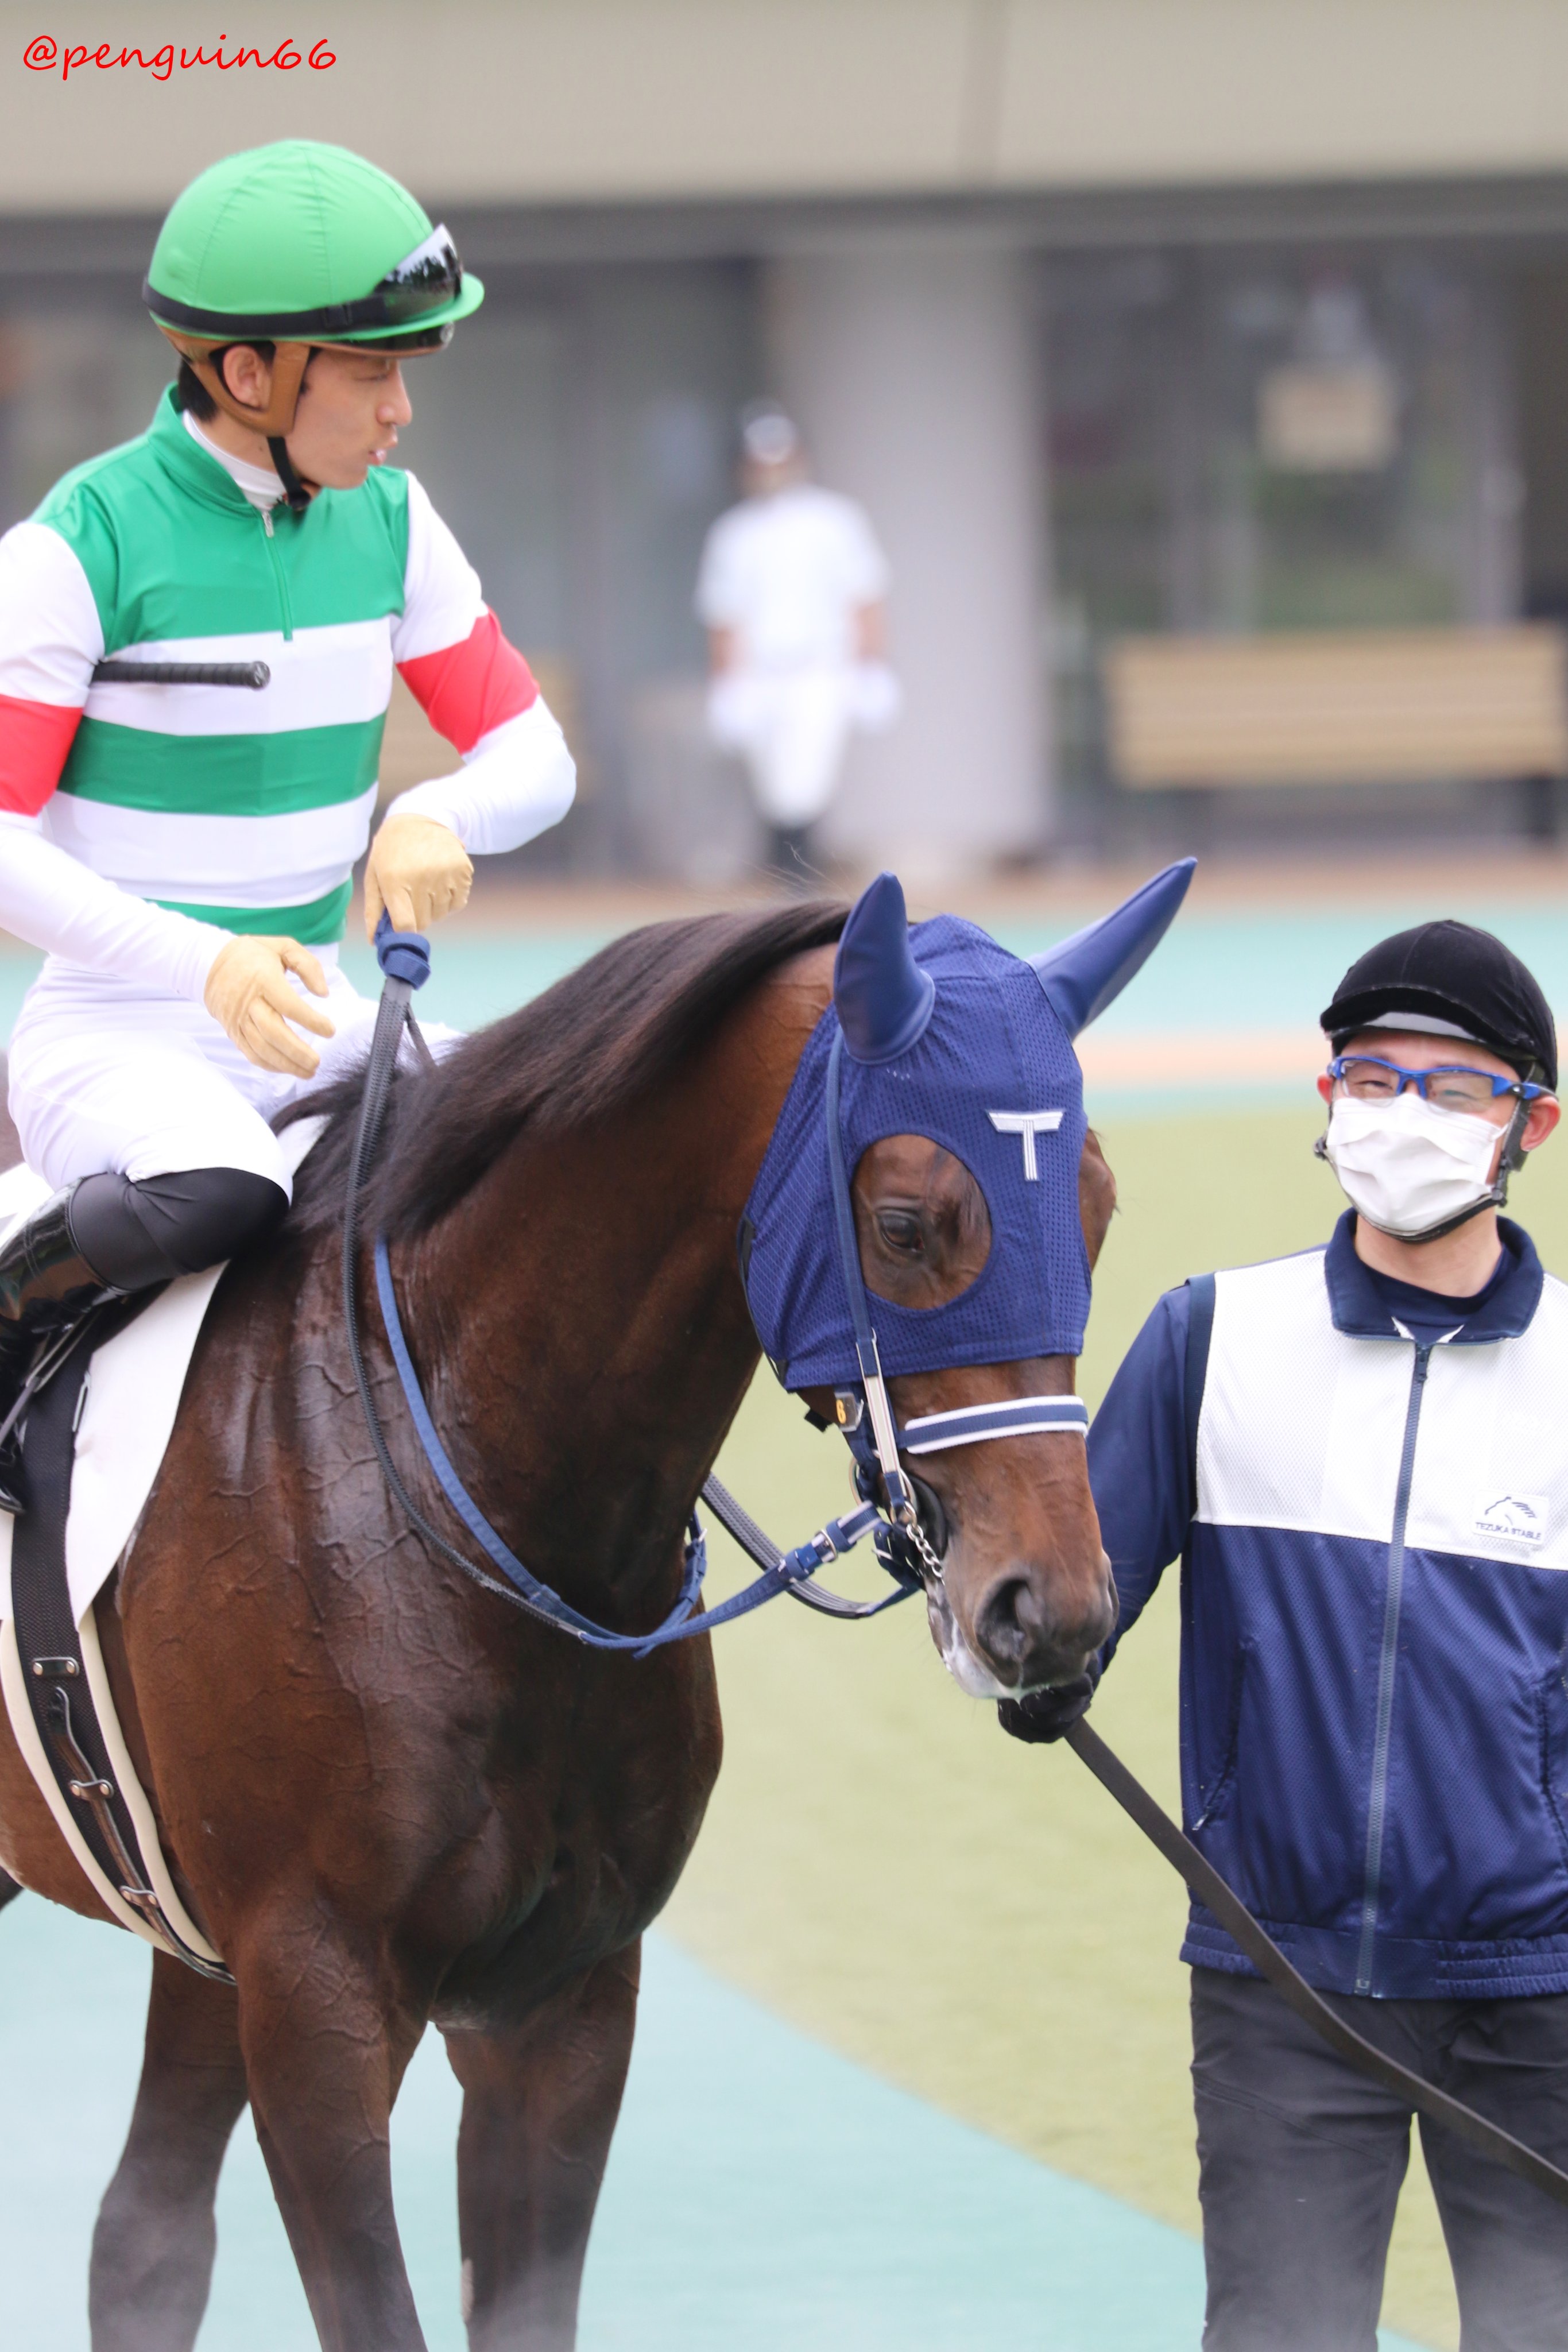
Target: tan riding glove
419,871
252,999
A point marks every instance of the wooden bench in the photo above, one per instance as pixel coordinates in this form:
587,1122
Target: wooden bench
1406,706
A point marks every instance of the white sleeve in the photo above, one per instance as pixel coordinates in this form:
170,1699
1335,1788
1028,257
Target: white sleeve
53,901
721,597
865,566
442,597
51,634
516,782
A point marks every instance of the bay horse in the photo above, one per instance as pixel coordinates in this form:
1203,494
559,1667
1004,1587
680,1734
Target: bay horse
388,1800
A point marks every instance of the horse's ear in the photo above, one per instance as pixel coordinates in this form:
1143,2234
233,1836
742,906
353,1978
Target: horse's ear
881,995
1084,974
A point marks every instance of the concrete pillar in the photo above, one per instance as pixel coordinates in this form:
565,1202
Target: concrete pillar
910,366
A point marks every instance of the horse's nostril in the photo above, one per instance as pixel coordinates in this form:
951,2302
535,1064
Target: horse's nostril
1017,1629
1002,1623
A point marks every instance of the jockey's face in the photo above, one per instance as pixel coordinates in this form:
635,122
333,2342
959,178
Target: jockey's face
351,405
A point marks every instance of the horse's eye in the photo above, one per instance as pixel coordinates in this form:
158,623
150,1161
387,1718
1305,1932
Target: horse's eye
900,1231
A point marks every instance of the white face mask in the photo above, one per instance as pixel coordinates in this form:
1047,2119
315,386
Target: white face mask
1405,1166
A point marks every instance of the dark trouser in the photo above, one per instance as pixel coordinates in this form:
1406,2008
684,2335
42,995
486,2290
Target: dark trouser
1302,2158
789,854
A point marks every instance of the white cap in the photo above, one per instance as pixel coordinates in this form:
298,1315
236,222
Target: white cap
767,435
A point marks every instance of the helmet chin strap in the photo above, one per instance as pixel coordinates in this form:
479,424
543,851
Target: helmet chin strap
289,362
297,494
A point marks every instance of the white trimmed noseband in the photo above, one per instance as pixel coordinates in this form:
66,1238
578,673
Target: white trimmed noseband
932,1432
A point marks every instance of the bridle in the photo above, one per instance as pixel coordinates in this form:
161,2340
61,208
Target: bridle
909,1540
902,1545
864,1411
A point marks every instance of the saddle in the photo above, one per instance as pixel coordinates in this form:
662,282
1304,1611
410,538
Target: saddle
93,1445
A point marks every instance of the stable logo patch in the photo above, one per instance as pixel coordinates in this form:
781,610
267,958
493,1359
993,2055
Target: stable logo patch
1517,1516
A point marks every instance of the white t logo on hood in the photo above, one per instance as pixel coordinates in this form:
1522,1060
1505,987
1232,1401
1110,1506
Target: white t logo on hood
1029,1124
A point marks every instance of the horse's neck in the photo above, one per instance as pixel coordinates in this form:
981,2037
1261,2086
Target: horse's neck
580,1321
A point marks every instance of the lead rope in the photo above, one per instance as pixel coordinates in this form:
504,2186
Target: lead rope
1266,1957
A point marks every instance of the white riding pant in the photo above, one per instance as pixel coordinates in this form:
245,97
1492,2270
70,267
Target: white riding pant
792,727
104,1076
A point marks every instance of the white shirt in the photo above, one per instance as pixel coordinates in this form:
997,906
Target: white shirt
787,573
259,483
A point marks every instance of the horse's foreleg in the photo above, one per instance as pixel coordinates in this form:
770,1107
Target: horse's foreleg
539,2105
9,1888
153,2250
326,2040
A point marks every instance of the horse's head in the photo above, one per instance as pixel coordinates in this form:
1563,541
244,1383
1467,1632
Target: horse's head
1026,1591
934,1158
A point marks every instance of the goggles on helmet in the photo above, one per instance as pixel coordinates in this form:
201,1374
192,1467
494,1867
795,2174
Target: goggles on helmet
425,281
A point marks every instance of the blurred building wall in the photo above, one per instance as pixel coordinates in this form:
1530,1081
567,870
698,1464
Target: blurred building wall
911,367
552,101
939,227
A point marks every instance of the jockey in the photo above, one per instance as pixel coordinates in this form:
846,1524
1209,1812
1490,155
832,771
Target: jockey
182,851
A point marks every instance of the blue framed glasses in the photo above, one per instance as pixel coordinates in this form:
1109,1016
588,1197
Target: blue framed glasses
1453,1086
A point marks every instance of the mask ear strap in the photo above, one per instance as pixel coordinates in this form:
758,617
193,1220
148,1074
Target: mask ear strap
902,1505
1512,1157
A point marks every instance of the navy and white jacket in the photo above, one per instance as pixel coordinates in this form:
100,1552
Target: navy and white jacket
1373,1536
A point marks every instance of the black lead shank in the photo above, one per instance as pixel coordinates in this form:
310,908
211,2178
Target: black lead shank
254,674
1270,1963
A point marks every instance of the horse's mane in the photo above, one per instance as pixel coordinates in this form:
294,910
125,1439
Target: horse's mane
594,1042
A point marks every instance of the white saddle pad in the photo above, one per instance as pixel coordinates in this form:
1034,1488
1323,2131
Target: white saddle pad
133,1390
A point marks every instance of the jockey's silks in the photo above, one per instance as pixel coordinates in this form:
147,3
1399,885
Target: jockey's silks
995,1080
247,809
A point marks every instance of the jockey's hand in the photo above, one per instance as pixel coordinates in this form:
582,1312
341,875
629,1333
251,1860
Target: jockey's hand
251,997
419,871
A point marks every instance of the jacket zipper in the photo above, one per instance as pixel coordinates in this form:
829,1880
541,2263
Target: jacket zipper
285,608
1378,1808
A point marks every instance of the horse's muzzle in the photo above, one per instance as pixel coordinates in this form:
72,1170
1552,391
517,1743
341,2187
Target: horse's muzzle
1030,1639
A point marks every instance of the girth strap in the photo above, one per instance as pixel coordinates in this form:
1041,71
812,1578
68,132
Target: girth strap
54,1672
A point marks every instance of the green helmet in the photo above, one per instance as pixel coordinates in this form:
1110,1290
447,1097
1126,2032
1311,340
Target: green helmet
304,242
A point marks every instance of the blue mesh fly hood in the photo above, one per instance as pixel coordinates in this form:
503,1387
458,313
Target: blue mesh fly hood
937,1030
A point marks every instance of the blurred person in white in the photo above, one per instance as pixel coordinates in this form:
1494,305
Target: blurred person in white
792,591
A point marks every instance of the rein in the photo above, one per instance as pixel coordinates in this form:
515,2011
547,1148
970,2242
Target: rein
898,1539
405,959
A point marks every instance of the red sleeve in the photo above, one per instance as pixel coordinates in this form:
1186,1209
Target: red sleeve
35,738
467,689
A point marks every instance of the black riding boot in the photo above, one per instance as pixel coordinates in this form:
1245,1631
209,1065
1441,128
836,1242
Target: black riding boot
44,1281
108,1237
